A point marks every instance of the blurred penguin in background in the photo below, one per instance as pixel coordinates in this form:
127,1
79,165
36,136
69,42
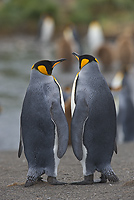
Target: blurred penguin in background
71,35
46,28
106,56
125,49
124,107
124,78
126,110
64,48
68,42
65,45
95,36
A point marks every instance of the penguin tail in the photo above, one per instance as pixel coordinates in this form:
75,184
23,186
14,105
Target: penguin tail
110,175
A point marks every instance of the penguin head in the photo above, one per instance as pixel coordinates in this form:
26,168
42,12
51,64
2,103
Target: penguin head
46,66
84,59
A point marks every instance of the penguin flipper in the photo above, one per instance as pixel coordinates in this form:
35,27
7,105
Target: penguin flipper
20,145
79,119
59,119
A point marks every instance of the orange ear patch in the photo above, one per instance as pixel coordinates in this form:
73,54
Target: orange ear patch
42,69
84,62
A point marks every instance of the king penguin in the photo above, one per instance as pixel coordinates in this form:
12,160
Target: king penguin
43,125
126,108
93,126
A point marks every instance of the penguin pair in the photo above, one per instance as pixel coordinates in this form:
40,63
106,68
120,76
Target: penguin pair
44,129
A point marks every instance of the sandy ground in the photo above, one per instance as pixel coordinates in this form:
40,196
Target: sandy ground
13,175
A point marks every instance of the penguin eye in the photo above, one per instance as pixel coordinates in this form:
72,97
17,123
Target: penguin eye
96,60
84,62
42,69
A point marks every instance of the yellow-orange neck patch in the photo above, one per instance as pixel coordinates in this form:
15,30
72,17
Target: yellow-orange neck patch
77,57
32,67
84,62
96,60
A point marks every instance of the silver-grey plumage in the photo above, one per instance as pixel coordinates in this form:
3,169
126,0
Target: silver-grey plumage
93,128
44,129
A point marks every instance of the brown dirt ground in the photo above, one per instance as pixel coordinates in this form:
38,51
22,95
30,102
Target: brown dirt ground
13,175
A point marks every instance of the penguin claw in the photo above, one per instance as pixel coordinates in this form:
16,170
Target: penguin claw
113,179
53,181
40,179
29,183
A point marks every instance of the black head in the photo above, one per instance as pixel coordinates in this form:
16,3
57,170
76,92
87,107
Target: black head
85,59
46,66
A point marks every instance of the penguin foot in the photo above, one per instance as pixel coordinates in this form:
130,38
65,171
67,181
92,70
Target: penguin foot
29,182
112,178
53,181
103,179
88,180
110,175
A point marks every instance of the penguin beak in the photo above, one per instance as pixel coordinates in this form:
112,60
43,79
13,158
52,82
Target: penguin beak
54,63
76,55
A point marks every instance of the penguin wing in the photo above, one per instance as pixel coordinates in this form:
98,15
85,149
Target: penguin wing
20,144
59,119
79,119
